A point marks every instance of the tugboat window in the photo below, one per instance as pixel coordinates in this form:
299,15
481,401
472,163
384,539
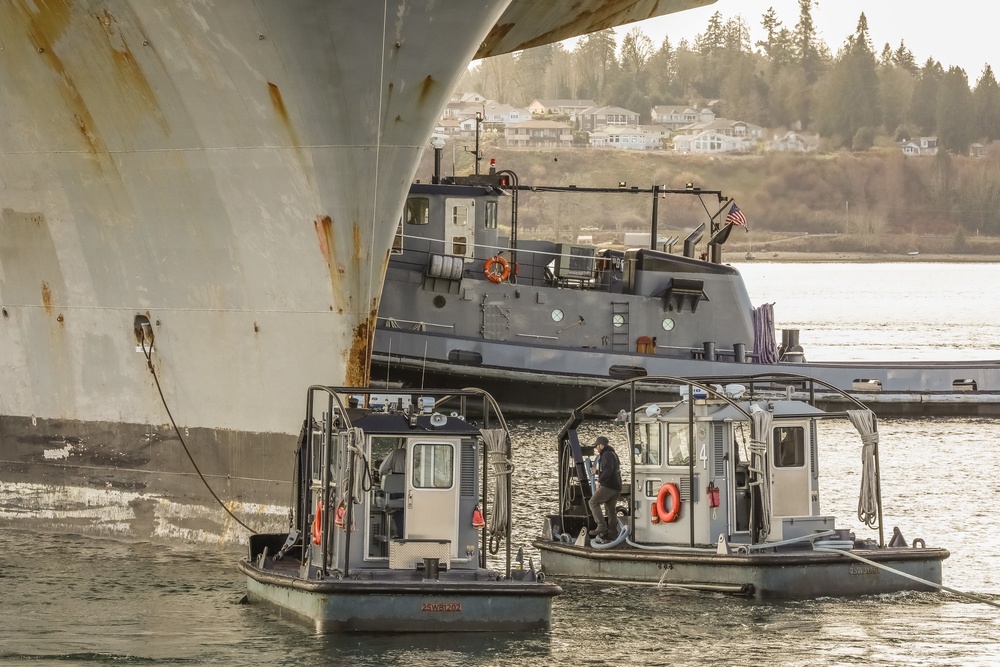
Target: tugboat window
647,442
433,466
677,445
491,215
460,215
418,211
789,446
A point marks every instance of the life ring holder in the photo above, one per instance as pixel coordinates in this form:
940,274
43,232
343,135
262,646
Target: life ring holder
668,516
497,269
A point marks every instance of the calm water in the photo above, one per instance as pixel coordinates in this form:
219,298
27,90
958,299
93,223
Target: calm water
68,600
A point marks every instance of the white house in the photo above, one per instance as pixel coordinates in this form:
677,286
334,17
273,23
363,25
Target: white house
711,141
676,117
643,137
921,146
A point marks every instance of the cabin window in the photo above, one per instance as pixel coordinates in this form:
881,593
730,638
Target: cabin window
677,444
460,245
491,215
382,448
647,444
460,215
789,446
418,211
433,466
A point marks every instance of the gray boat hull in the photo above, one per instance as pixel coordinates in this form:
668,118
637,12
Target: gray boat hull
763,576
404,605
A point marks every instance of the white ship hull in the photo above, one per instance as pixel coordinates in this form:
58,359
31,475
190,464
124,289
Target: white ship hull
231,172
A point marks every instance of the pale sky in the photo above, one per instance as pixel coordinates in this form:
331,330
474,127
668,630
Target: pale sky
956,32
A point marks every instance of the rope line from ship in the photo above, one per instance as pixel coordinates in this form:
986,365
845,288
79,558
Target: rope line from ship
148,353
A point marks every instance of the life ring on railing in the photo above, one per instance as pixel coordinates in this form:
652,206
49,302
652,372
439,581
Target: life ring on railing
497,269
667,516
317,527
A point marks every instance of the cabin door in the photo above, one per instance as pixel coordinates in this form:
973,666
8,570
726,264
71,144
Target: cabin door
460,227
790,477
432,491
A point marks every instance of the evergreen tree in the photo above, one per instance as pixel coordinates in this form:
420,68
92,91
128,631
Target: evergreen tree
903,57
850,99
923,107
954,112
595,64
807,50
986,106
533,66
662,74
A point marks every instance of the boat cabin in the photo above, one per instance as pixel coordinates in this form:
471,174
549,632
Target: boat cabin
413,465
710,468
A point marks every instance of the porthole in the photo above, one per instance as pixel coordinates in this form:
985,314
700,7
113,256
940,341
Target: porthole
668,324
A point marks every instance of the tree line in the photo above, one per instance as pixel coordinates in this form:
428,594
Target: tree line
790,79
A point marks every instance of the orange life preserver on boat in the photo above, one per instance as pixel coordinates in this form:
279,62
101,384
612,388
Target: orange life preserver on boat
497,269
317,528
666,516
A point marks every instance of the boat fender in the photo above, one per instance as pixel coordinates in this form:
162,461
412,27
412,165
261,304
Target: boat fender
668,515
497,269
654,514
477,518
317,527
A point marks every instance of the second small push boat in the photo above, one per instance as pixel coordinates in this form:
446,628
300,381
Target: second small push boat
724,496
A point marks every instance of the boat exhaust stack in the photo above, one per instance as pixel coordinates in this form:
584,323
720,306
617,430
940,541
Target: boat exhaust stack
692,240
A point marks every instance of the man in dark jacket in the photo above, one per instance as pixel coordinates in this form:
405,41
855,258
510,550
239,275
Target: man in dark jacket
608,488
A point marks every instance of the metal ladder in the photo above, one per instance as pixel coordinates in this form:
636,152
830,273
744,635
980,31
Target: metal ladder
619,335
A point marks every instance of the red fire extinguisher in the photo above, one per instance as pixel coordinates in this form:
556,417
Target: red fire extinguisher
713,495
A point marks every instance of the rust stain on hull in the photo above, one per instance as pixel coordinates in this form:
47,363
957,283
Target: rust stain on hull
359,356
46,297
278,103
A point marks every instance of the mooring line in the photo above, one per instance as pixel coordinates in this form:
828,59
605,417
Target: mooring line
971,596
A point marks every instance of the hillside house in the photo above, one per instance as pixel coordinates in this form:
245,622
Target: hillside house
676,117
539,134
793,142
921,146
559,107
641,138
711,141
595,118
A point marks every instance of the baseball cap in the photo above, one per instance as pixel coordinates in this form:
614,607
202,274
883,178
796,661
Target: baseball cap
601,440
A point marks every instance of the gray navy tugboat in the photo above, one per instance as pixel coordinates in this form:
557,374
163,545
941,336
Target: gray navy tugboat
723,495
390,530
540,323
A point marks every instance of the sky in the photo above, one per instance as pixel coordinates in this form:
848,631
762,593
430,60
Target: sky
956,32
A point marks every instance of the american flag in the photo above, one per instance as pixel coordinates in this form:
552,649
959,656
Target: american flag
736,217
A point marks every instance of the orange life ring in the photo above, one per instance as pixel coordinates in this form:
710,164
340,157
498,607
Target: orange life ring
667,516
317,527
497,269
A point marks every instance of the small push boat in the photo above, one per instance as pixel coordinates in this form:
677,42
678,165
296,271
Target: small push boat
389,530
724,496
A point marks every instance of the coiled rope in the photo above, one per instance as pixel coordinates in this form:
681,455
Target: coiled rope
864,421
497,443
759,469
